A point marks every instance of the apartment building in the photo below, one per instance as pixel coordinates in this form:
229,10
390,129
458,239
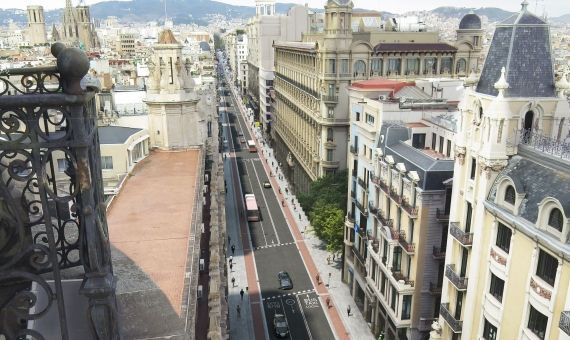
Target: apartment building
401,166
127,43
312,76
507,274
261,31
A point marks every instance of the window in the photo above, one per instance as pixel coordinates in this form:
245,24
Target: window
537,323
555,219
62,165
546,267
107,162
376,66
473,167
504,237
383,285
413,66
330,135
419,140
369,119
357,116
394,297
331,66
441,140
510,195
394,66
397,260
344,66
489,331
433,140
496,288
329,155
406,307
468,217
359,68
448,152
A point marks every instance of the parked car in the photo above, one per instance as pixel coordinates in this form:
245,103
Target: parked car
280,325
285,281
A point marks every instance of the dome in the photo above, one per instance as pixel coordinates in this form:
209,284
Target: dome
167,37
470,21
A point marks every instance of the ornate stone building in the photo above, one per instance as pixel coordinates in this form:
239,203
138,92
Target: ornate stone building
506,267
311,78
77,28
36,25
174,120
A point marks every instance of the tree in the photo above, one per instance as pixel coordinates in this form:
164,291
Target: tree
327,220
331,189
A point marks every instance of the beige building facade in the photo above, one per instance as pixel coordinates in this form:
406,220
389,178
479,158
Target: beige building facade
506,266
312,77
36,25
77,28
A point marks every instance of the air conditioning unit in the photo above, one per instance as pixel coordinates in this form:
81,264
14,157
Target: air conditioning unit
199,291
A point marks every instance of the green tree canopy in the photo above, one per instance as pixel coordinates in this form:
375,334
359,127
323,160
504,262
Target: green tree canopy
331,189
327,220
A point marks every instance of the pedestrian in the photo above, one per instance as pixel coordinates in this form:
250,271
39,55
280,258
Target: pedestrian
318,279
299,216
231,267
272,163
348,310
282,203
241,293
233,281
238,310
231,259
279,190
329,259
233,249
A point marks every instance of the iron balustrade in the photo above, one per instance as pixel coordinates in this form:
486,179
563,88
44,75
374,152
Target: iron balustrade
398,276
329,99
540,142
395,196
466,239
438,253
455,325
441,215
353,150
409,248
52,216
458,281
564,323
412,211
362,183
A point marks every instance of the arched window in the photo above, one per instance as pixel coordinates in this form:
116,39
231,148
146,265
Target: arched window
555,219
330,135
359,68
461,66
510,195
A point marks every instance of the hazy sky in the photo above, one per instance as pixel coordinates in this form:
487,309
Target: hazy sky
553,7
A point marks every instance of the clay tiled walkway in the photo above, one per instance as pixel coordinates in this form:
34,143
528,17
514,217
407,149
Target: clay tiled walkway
150,226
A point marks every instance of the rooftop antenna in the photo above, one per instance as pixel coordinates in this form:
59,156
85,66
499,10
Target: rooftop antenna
165,14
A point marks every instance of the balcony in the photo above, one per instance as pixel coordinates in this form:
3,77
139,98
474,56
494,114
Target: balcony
441,215
395,196
361,207
384,221
466,239
454,324
329,99
409,248
372,208
359,262
398,276
459,282
350,219
434,289
362,183
384,186
412,211
375,179
564,323
438,253
354,150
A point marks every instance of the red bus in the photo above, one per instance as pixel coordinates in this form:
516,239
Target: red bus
251,146
251,208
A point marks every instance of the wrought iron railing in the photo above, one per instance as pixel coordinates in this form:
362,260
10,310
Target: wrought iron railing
455,325
464,238
411,210
373,209
409,247
52,211
395,196
353,150
564,323
361,207
330,99
538,141
438,253
458,281
362,183
398,276
383,220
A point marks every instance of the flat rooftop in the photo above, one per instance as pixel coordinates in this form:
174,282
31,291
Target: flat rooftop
150,224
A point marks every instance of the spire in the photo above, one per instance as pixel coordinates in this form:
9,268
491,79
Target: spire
524,5
68,4
502,84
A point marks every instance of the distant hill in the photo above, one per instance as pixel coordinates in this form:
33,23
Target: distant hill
199,11
493,13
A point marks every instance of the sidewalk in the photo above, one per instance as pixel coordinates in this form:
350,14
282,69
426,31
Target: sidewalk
355,325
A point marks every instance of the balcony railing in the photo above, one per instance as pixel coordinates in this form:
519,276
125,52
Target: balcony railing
383,220
412,211
438,253
330,99
395,196
350,218
455,325
45,112
362,183
409,248
459,282
373,209
564,323
361,207
434,288
540,142
375,179
360,262
441,215
384,186
353,150
398,276
466,239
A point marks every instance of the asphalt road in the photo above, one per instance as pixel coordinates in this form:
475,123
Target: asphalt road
273,243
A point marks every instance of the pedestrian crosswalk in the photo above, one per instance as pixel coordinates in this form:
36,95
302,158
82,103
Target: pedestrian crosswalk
275,245
300,292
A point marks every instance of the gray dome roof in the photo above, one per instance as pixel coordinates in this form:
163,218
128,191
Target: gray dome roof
470,22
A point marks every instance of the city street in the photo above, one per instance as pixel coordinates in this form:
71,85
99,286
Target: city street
274,247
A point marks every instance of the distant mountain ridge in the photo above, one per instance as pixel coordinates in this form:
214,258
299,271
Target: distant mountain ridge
198,11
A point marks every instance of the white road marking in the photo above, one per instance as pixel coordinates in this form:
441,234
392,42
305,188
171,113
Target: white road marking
304,318
260,222
266,205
